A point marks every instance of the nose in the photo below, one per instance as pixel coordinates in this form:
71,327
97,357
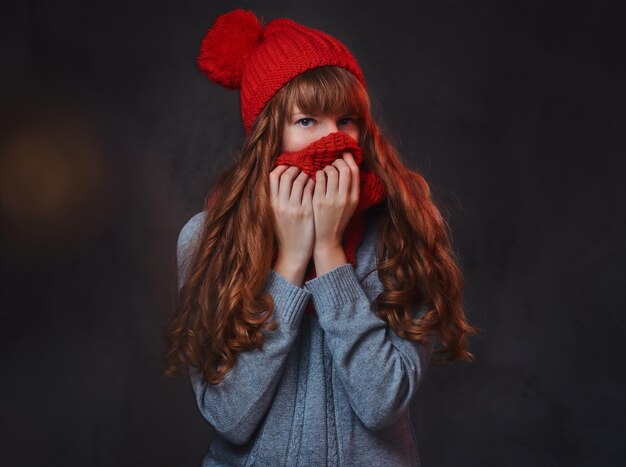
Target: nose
331,127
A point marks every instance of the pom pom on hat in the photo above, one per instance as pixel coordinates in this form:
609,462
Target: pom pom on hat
226,46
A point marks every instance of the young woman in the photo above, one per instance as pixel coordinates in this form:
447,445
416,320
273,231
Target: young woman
315,283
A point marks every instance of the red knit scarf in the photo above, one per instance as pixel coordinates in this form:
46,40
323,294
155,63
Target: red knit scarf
318,155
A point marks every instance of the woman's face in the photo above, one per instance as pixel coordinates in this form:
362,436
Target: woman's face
303,129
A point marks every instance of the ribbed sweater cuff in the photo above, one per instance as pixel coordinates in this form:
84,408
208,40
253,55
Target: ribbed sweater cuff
289,299
335,288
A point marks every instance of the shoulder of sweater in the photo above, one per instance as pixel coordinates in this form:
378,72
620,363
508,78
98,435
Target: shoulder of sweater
188,238
191,229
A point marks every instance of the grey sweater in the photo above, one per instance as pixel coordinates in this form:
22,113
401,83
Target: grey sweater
327,389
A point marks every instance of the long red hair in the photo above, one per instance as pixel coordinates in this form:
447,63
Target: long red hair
222,309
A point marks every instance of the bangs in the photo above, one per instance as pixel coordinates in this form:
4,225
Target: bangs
328,90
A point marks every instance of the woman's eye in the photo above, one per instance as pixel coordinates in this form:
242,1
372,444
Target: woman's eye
303,121
306,122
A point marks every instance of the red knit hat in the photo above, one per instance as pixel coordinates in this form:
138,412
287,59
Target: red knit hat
239,52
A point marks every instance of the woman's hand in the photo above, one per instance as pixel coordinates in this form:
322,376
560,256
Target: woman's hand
335,199
291,192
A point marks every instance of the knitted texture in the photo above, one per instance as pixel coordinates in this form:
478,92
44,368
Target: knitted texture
318,155
238,51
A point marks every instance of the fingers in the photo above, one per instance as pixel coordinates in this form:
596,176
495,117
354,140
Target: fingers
343,182
332,180
320,184
288,183
275,180
355,179
339,179
308,190
297,187
286,179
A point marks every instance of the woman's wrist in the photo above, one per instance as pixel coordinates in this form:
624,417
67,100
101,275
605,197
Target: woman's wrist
328,257
290,270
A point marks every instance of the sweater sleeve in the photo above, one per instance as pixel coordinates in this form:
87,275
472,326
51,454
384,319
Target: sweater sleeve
236,405
379,370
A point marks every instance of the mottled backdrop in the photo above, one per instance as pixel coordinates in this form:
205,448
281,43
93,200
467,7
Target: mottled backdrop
110,138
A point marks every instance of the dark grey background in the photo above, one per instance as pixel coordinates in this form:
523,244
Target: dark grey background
514,113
